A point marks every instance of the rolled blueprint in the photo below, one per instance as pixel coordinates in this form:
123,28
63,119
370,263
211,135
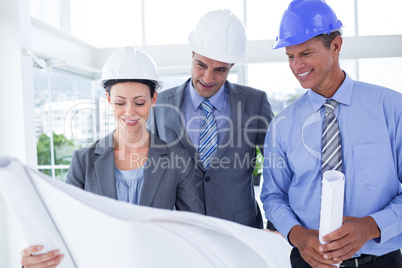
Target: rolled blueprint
332,196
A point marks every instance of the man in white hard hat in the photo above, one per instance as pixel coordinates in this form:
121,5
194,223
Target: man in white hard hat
218,122
338,125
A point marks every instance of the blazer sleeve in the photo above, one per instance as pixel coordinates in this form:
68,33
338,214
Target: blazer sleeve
76,174
266,117
187,195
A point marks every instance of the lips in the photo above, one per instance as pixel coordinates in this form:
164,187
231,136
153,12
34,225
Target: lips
301,75
130,122
206,86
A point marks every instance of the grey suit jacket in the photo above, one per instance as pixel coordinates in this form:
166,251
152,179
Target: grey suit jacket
168,183
226,187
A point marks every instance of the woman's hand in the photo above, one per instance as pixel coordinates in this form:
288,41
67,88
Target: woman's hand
48,260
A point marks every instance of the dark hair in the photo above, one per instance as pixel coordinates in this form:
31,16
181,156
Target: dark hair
328,38
151,84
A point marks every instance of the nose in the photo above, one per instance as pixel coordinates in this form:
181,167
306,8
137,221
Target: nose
130,109
297,63
208,76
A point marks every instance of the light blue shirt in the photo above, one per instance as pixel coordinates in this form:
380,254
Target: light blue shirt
193,114
129,184
370,125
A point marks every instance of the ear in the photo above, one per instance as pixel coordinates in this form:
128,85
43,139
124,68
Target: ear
337,44
154,98
107,97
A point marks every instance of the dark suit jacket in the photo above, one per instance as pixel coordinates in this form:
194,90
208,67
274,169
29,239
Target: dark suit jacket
226,187
167,182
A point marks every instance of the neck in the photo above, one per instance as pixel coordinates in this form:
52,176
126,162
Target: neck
335,82
131,141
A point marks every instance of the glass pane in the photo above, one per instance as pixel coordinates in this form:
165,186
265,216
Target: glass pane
345,12
63,106
61,174
41,98
173,80
46,171
63,149
385,72
107,122
350,67
162,27
47,11
43,150
263,18
379,18
107,23
277,80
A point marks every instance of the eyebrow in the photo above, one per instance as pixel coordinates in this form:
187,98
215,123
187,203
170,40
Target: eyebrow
219,67
198,61
141,96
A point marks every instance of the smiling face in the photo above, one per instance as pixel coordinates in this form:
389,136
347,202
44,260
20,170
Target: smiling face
131,103
208,75
316,66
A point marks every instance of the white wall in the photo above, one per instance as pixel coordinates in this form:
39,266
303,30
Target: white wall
17,135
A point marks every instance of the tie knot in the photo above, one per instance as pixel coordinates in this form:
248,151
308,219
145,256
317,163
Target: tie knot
330,105
207,106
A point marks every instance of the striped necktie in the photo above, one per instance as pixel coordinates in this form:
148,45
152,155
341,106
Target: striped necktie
331,154
208,137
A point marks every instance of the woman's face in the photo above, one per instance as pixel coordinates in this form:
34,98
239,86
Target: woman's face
131,103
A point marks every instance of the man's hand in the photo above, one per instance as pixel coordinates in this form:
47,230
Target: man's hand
308,244
48,260
344,242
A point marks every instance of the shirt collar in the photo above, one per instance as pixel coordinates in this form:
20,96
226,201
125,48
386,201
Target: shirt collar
342,95
217,100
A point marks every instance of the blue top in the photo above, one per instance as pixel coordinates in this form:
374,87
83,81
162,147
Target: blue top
370,125
193,114
129,184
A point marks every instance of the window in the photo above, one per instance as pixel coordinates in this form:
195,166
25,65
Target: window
277,81
382,71
107,23
379,17
65,117
170,22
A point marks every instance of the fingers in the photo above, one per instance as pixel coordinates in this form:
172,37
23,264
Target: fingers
31,250
47,260
315,259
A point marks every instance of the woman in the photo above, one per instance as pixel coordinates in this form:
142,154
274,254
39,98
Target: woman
130,164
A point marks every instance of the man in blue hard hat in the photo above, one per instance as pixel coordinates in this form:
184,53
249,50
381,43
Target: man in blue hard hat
338,124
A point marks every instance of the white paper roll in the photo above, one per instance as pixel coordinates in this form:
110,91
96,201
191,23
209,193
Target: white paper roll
332,197
97,231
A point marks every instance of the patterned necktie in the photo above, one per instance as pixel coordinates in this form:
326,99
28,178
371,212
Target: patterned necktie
208,137
331,153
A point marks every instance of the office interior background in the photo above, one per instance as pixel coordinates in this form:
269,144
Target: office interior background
52,52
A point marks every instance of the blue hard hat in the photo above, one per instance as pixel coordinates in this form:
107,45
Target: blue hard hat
305,19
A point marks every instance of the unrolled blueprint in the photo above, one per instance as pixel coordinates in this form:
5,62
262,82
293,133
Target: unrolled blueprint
96,231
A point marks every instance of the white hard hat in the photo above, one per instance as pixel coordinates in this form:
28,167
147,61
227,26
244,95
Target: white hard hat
219,35
130,63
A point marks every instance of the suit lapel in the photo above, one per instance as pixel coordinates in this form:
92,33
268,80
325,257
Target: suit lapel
105,167
237,107
176,99
154,172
